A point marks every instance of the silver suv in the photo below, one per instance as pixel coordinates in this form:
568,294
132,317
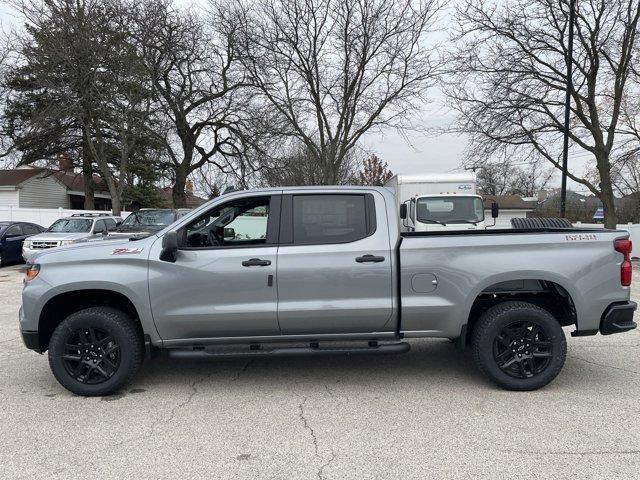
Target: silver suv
68,230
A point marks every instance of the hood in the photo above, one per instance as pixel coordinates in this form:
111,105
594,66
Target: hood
128,229
95,250
57,236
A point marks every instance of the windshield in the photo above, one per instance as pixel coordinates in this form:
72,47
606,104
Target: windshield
449,210
71,225
156,218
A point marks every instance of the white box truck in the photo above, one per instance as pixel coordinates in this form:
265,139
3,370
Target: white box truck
439,201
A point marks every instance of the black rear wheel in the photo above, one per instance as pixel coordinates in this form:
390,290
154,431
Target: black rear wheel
519,345
96,351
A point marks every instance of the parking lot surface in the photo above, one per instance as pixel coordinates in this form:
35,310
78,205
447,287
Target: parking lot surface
425,414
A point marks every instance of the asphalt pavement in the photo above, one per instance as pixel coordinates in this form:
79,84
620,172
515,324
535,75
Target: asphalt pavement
425,414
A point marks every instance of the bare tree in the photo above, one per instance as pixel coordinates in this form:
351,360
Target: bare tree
374,172
197,80
508,80
300,167
331,70
510,178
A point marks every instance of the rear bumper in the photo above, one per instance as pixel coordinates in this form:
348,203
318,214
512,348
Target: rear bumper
618,318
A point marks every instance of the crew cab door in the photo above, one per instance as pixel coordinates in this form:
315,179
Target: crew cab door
334,264
222,283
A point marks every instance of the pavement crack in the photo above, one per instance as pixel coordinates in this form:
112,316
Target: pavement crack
320,472
308,427
189,399
605,365
242,370
314,438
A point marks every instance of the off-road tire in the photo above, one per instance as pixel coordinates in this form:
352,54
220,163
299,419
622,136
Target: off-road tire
491,324
127,336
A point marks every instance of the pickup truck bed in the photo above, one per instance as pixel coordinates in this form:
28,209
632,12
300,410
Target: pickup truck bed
289,271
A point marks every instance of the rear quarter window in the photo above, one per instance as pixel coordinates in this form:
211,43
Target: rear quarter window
329,218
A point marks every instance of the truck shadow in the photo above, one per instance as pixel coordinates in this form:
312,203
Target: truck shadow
435,362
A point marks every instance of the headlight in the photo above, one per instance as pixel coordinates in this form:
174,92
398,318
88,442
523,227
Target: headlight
27,243
67,242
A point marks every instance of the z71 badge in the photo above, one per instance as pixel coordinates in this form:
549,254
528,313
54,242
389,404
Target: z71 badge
126,251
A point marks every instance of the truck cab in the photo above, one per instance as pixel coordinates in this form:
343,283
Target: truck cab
444,212
436,202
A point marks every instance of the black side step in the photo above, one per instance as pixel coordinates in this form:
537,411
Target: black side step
384,349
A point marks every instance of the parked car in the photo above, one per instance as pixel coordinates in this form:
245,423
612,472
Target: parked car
12,235
66,231
148,220
322,265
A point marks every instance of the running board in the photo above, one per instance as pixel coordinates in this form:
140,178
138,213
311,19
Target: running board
384,349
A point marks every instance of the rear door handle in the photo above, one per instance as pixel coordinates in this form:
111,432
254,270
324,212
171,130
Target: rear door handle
256,262
369,258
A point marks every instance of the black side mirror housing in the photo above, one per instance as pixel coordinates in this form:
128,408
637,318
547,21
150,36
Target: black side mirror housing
229,232
495,210
169,251
403,211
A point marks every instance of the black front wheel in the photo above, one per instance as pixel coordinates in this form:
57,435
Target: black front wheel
519,346
96,351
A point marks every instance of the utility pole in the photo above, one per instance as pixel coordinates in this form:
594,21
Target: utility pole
567,110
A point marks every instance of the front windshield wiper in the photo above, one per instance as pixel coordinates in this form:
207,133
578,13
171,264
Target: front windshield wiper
464,221
428,220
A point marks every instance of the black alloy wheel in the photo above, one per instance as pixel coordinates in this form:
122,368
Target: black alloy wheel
518,345
522,349
91,356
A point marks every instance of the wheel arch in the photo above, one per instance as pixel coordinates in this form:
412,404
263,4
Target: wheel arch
63,304
550,292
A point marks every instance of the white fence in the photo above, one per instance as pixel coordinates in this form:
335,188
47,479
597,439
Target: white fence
42,216
632,228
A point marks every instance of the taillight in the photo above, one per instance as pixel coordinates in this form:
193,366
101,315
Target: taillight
624,246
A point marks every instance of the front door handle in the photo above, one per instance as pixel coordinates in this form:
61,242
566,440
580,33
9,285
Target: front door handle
369,258
256,262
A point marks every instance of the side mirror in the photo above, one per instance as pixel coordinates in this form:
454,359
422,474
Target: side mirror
118,223
169,251
229,232
403,211
495,210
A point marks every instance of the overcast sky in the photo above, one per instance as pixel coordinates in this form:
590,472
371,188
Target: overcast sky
420,153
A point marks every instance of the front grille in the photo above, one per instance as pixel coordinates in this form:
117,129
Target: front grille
43,244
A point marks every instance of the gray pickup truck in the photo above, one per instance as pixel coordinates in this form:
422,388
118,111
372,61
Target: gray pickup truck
318,271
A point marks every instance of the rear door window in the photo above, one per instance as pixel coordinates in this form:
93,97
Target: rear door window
321,219
29,229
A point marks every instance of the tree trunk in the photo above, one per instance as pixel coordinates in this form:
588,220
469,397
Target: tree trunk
116,206
179,195
87,175
606,195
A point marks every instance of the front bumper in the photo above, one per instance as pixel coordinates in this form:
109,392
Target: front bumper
31,339
618,318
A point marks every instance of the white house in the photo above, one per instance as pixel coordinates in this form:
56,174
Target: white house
44,188
511,206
